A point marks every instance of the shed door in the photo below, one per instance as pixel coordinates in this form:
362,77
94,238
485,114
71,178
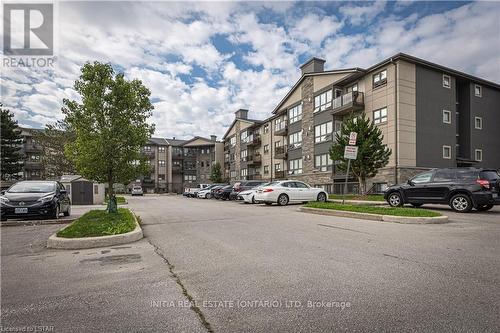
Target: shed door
82,193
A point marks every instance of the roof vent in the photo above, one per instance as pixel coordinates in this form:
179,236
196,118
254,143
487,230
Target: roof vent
241,114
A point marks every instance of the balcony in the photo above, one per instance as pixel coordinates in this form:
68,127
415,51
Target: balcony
256,142
254,160
254,177
32,148
176,168
281,128
279,174
352,101
280,152
33,165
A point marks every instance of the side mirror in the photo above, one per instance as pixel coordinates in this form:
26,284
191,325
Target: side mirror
409,182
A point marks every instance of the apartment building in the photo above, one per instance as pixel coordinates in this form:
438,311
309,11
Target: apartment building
32,152
430,116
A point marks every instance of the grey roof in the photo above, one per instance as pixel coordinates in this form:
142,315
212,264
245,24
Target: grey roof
158,141
69,178
176,142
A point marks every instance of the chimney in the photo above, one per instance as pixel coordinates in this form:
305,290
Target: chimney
213,137
242,114
313,65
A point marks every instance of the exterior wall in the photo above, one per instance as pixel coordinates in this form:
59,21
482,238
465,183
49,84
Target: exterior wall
324,80
406,115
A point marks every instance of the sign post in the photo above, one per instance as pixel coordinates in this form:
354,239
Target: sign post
350,153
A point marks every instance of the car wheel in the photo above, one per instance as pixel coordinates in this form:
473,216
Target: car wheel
483,208
395,199
283,200
322,197
55,215
268,203
461,203
208,196
68,211
416,205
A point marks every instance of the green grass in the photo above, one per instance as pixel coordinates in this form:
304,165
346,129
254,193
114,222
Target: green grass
100,223
396,211
369,197
119,200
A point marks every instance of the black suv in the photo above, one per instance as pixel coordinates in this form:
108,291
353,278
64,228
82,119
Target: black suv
461,188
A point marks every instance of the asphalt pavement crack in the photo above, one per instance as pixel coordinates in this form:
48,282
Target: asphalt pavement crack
185,292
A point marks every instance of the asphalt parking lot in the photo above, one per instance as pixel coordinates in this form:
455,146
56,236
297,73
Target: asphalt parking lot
259,269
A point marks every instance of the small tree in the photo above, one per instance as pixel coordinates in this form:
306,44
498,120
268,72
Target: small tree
216,173
11,140
52,140
110,127
372,153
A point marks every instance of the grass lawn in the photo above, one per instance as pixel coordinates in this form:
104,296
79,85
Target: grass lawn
119,200
100,223
396,211
369,197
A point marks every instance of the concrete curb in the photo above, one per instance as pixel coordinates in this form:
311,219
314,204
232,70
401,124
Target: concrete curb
360,202
20,223
55,242
376,217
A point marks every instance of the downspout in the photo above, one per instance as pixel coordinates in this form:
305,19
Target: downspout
396,148
271,148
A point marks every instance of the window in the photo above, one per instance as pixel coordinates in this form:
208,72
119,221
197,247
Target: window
232,141
295,113
35,158
296,166
447,152
277,144
446,81
323,101
244,154
444,175
422,178
380,116
379,78
300,185
243,136
147,149
161,177
266,169
244,172
478,122
202,164
178,163
323,162
322,132
277,167
478,90
478,154
352,88
280,124
96,189
266,149
446,117
190,178
161,163
266,129
295,140
233,174
161,149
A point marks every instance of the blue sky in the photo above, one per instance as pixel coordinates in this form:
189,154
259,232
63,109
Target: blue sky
202,61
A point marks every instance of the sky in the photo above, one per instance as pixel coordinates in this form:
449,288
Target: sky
203,61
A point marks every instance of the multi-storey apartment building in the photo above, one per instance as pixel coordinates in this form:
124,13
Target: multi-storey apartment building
32,152
430,116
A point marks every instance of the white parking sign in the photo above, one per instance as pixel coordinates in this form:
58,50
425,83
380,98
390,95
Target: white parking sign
351,152
352,138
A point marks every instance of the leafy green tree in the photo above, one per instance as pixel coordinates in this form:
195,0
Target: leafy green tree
110,126
216,173
11,142
52,140
373,154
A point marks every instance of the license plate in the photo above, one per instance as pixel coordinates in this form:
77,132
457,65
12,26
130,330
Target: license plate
21,210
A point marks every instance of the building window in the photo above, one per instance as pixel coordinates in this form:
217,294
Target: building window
161,149
446,81
322,132
147,149
446,117
232,141
447,152
277,167
202,164
478,90
295,140
161,177
266,149
233,174
380,116
178,163
295,113
478,122
277,144
266,169
323,162
161,163
323,101
379,78
244,154
280,124
352,88
190,178
35,158
295,166
244,172
266,129
478,154
96,189
244,136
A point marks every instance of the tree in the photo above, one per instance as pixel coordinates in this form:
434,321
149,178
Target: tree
372,153
110,126
11,141
216,173
53,140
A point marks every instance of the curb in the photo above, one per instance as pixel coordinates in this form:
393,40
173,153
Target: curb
376,217
55,242
20,223
360,202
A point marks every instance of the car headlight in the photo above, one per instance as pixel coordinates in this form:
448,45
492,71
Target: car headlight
45,199
4,200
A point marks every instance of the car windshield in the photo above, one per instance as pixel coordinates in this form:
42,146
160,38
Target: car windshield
137,188
32,187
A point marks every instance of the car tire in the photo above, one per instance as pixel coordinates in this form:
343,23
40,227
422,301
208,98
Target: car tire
208,196
321,197
55,215
461,203
483,208
283,200
395,199
416,205
68,211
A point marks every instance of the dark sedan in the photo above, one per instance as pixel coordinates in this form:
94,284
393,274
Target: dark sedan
35,198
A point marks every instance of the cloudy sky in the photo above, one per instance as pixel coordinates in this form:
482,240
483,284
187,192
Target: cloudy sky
202,61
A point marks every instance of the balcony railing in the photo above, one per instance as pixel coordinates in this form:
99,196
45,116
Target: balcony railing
280,128
254,177
351,101
256,140
279,174
176,168
32,148
254,159
280,152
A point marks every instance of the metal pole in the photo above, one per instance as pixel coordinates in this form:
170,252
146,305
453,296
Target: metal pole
346,176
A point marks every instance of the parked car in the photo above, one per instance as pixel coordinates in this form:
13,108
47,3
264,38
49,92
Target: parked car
225,192
215,190
35,198
192,192
206,193
243,186
248,196
286,191
137,190
460,188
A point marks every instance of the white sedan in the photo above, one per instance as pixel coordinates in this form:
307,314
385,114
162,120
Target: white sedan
285,191
248,196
